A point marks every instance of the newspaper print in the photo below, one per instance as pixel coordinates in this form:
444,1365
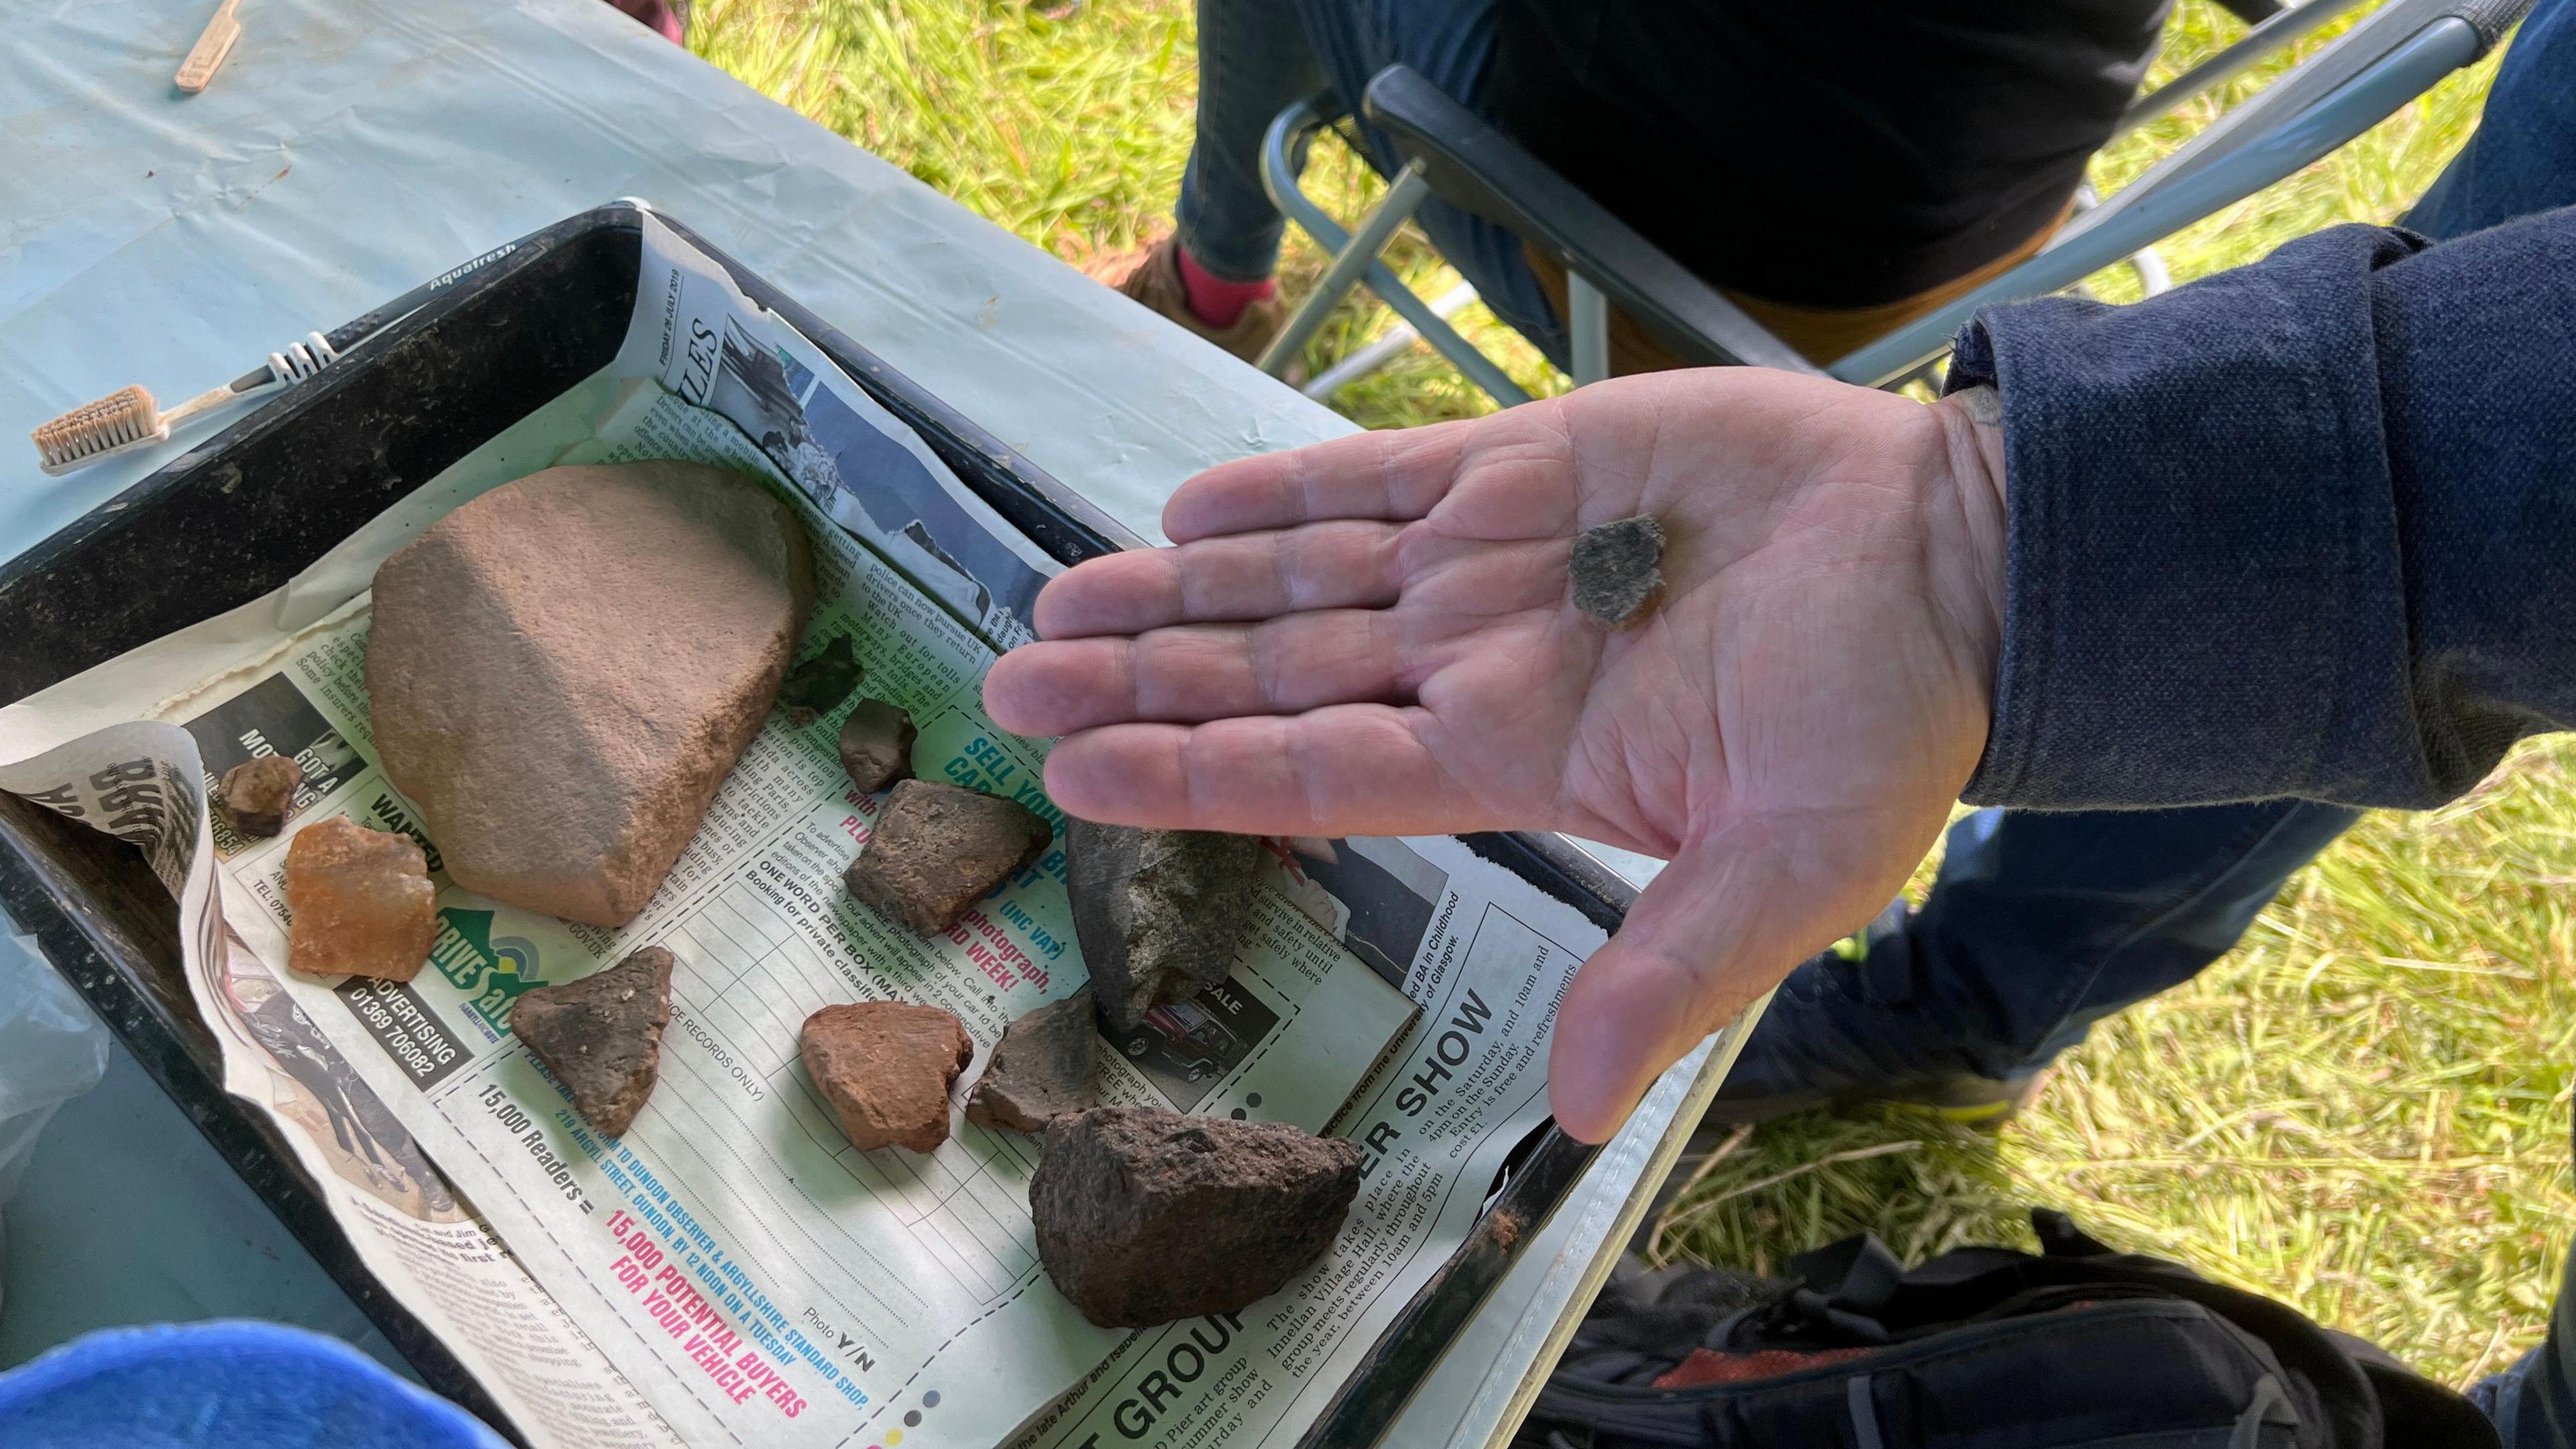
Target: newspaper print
760,1279
1404,908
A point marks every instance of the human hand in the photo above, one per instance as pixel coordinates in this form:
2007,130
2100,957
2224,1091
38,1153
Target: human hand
1372,637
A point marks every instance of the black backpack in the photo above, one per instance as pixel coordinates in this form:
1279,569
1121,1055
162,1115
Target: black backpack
1982,1348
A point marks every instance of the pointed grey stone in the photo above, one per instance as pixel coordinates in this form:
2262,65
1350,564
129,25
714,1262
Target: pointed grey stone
601,1036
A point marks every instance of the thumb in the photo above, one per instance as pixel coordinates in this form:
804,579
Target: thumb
1722,924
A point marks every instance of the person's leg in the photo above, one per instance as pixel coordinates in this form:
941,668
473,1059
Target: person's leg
1255,58
2533,1403
2038,925
1253,62
1451,43
2522,157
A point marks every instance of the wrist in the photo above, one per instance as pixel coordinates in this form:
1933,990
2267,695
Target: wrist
1967,531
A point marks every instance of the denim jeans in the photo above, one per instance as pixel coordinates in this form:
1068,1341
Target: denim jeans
1256,57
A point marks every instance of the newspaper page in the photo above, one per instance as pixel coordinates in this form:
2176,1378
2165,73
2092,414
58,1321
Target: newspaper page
699,337
760,1279
1488,959
143,782
527,1265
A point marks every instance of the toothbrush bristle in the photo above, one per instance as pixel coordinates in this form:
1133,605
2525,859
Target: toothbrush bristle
93,428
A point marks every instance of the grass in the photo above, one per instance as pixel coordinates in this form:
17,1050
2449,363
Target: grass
2363,1110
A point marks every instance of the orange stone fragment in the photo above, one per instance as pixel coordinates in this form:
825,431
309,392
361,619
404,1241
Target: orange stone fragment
885,1068
361,902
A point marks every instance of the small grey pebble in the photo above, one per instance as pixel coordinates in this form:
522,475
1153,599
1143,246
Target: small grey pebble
1617,568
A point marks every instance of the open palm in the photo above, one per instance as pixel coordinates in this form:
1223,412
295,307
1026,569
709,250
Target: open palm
1372,637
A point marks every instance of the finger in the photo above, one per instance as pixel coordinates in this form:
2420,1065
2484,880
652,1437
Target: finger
1358,769
1344,564
1196,672
1721,925
1394,476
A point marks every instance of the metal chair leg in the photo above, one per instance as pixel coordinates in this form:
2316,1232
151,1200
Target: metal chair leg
1386,347
1587,319
1279,177
1404,196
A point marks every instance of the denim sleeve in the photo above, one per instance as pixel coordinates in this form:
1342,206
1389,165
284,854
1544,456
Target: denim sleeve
2305,528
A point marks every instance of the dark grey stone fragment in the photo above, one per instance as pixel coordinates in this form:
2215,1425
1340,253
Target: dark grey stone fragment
601,1036
876,745
1146,1216
938,848
1159,913
1041,1068
1618,569
816,687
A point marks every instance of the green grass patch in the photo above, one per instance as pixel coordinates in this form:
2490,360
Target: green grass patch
2363,1110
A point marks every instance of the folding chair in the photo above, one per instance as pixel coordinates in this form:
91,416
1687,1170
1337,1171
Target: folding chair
2388,58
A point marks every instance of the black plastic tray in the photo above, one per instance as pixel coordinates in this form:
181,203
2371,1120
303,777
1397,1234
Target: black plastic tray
241,513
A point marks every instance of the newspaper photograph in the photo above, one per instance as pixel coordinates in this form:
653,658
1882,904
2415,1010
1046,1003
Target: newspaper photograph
731,1270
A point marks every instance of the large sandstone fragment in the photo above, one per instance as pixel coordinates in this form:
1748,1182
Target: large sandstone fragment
1159,913
360,902
601,1036
937,849
1042,1068
1145,1216
562,671
885,1067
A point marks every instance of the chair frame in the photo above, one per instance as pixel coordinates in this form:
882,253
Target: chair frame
2388,58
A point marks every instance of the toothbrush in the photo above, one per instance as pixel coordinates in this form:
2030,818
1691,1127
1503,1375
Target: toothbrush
124,421
207,55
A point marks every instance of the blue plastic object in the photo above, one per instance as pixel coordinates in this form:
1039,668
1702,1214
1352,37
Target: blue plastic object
223,1385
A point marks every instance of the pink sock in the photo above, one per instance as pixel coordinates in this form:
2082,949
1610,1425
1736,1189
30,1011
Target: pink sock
1214,300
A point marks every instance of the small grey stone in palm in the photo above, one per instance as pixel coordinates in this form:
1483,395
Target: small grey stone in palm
1618,569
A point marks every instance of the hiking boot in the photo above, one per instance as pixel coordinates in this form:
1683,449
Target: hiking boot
1839,1033
1156,282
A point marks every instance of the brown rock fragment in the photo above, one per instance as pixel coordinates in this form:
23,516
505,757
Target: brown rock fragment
1159,913
360,900
1146,1216
1041,1069
562,672
1617,569
876,745
885,1066
256,796
601,1036
938,849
